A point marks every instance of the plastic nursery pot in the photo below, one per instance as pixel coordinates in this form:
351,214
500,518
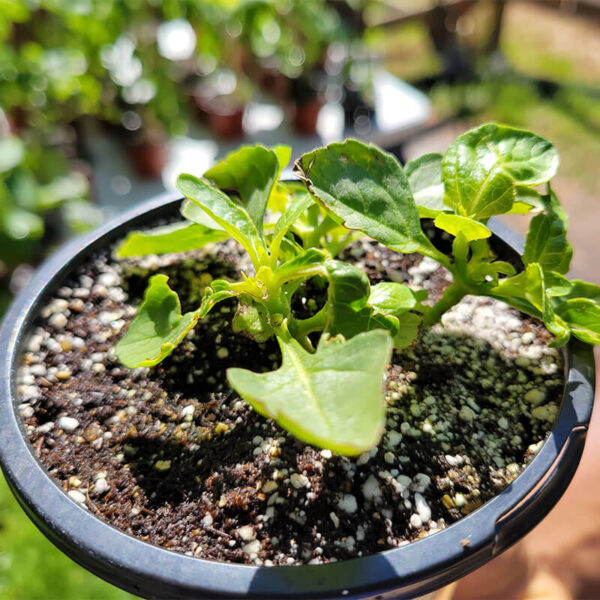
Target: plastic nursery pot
305,116
154,572
225,118
149,158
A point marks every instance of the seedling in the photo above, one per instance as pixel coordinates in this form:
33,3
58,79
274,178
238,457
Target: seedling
328,390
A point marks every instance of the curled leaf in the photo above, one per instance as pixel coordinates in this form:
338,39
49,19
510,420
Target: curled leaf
158,327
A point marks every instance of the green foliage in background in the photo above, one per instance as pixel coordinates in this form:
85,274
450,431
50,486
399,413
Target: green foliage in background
31,568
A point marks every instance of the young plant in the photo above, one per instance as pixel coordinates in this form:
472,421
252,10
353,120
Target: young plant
488,171
329,392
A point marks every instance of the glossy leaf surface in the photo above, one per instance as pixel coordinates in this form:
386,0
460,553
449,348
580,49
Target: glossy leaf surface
482,167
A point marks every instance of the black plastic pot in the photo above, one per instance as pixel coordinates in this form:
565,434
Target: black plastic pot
154,572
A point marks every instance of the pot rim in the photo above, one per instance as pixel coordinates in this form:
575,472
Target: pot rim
415,569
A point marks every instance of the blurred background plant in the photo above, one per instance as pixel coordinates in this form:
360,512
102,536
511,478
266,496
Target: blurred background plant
142,73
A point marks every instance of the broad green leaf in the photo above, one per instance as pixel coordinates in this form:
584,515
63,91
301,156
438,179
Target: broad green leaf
179,237
251,171
528,286
230,215
481,169
469,228
425,179
284,154
368,190
192,212
557,327
158,327
408,330
583,317
390,298
348,295
527,199
12,151
298,204
557,285
308,263
583,289
332,398
546,243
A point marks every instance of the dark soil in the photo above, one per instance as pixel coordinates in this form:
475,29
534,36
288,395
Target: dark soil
171,455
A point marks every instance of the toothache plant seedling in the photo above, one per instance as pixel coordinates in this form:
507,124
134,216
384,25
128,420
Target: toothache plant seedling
328,389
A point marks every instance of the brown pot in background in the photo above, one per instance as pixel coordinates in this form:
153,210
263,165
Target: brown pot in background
227,124
305,115
149,158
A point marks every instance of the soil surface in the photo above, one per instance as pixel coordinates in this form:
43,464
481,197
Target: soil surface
173,456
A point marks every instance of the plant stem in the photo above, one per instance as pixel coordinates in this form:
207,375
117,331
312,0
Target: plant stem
300,328
452,296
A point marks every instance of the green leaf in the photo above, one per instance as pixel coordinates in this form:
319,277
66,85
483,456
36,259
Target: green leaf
482,167
252,320
230,215
158,327
304,265
348,295
469,228
298,204
12,152
332,398
584,289
368,190
218,291
19,224
557,285
527,199
179,237
192,212
583,317
251,171
425,179
408,330
284,154
390,298
546,243
528,286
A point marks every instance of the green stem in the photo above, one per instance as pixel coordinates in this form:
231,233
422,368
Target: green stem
302,327
452,296
313,239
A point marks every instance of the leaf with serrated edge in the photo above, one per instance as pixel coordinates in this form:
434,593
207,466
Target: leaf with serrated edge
425,179
179,237
455,224
332,398
368,190
158,327
230,215
482,168
252,172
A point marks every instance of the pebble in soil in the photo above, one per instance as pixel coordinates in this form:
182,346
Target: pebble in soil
173,456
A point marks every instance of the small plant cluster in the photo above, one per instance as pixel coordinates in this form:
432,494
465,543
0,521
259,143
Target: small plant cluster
328,389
